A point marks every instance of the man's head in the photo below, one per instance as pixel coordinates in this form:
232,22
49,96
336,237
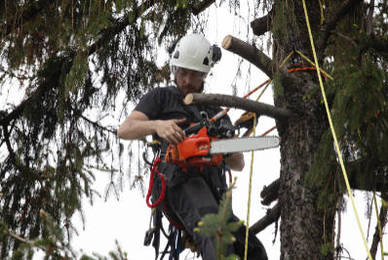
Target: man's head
191,61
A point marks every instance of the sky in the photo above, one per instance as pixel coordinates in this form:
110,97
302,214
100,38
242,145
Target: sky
126,219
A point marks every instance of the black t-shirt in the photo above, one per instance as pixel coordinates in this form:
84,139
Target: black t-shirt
167,103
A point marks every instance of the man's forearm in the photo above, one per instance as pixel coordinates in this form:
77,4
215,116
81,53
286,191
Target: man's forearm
136,129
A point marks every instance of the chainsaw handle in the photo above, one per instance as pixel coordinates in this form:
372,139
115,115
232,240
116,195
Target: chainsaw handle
193,129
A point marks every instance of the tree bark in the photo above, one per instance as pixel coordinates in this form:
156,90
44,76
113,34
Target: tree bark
304,228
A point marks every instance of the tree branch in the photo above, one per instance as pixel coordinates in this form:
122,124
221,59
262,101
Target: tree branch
358,179
262,25
250,53
340,13
97,125
270,217
374,181
270,193
106,35
237,102
120,24
383,222
28,13
379,44
202,6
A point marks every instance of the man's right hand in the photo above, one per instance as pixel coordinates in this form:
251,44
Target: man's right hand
170,130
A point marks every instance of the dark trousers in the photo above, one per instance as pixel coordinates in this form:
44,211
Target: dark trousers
190,201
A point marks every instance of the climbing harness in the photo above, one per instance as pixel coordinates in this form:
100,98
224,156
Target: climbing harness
196,132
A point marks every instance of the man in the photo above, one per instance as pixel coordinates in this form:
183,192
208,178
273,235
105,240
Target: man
195,192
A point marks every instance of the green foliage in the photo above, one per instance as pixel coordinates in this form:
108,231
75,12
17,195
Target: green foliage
219,227
358,98
73,59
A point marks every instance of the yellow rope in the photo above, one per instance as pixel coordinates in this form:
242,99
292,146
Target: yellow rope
249,194
306,59
333,131
379,226
312,63
262,92
286,59
250,177
321,9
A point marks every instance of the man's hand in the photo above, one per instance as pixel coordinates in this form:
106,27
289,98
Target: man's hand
170,131
235,161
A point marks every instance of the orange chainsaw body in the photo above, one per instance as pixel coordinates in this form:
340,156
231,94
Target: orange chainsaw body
193,151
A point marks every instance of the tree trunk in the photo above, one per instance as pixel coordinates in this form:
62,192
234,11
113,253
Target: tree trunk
306,231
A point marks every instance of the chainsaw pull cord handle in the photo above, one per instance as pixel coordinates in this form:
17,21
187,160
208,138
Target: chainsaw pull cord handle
151,184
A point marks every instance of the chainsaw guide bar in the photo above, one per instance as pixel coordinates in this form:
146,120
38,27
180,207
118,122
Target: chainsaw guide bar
244,144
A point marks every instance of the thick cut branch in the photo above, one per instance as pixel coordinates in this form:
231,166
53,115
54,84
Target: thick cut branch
262,25
270,193
237,102
250,53
270,217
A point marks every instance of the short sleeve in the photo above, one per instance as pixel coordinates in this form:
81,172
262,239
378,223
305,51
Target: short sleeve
150,104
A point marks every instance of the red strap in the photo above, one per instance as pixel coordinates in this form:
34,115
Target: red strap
151,184
305,68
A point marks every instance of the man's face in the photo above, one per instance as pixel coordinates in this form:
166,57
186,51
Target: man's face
189,81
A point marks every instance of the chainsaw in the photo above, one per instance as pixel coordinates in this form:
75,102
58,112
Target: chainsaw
206,145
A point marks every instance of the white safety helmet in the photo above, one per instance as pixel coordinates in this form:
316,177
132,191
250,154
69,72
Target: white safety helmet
195,52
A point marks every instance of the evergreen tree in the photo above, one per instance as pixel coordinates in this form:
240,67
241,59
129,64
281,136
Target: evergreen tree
73,59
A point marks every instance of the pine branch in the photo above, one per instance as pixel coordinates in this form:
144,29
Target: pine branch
218,225
263,24
333,20
202,6
27,14
97,125
250,53
8,143
106,35
120,24
379,44
366,180
237,102
271,216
